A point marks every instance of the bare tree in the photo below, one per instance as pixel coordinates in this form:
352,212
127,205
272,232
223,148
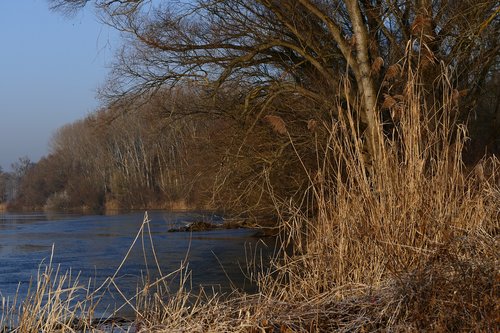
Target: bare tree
303,47
3,185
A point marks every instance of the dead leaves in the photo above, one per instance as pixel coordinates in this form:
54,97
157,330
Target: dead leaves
395,104
377,65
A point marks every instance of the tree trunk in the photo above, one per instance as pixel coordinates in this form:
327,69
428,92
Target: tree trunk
365,82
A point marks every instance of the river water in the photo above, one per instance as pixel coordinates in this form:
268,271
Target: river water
94,246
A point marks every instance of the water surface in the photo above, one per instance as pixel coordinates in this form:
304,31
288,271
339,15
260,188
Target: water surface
95,246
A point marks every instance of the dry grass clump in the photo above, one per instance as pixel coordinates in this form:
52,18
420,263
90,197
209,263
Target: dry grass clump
55,302
456,289
415,230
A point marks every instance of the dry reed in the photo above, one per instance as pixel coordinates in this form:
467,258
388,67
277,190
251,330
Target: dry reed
409,244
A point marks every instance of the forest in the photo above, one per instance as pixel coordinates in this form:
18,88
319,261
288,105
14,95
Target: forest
368,131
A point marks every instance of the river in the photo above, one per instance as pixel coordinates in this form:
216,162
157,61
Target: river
94,246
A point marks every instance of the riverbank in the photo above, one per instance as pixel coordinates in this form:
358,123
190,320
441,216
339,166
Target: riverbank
451,291
394,260
406,243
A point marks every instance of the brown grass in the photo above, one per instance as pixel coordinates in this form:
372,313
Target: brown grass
412,246
56,302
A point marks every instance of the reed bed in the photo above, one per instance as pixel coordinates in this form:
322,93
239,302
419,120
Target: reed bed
407,242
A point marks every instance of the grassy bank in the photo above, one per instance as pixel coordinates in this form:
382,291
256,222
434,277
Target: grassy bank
408,242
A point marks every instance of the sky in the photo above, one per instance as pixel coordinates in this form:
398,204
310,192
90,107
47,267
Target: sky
50,69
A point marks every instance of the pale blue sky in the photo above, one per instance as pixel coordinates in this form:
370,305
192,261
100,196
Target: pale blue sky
50,69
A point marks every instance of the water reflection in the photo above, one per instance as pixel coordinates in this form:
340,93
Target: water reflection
95,246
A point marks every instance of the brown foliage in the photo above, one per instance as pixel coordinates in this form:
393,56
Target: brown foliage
377,65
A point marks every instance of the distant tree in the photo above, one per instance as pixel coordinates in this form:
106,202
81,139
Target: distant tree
3,185
40,181
19,169
22,166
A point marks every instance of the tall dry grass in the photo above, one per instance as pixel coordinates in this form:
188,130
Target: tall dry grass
56,301
413,236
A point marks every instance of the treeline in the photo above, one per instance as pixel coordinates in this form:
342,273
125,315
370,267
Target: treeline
125,156
180,149
231,103
183,149
10,181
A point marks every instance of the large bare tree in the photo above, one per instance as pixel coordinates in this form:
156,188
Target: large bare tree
302,47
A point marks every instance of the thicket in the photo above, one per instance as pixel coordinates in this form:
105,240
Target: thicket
179,149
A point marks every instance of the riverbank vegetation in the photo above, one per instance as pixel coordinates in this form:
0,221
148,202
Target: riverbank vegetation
360,127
